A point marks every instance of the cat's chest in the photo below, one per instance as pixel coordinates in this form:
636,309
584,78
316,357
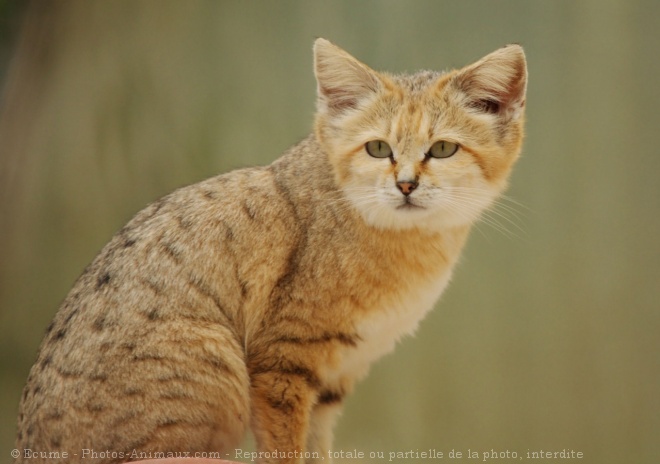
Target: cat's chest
380,329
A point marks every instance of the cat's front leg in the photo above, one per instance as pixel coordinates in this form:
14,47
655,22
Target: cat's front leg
322,422
281,405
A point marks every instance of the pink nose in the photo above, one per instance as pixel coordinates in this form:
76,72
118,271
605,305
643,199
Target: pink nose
407,186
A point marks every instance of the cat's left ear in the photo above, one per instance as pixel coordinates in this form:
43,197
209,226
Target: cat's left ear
496,84
342,80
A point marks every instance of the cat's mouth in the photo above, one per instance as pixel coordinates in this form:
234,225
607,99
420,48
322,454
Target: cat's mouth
408,205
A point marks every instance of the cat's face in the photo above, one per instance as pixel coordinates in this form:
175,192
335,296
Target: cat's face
429,150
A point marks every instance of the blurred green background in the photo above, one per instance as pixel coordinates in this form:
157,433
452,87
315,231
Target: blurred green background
548,337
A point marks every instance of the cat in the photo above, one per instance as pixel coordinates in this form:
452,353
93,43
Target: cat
258,298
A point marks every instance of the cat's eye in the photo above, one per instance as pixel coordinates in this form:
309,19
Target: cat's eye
442,149
378,149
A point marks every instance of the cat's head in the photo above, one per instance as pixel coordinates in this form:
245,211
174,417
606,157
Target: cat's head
427,150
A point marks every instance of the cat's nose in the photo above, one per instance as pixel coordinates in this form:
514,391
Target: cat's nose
406,186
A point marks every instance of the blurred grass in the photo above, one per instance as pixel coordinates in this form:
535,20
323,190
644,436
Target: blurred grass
548,340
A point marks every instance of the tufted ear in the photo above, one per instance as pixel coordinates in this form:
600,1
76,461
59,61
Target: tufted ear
342,81
496,84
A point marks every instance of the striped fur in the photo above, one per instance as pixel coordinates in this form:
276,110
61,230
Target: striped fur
259,297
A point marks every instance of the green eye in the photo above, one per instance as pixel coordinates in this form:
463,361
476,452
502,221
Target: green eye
442,149
378,149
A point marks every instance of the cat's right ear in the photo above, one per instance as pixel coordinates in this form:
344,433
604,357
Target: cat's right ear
342,81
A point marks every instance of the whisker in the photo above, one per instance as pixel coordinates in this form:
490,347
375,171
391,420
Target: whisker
473,198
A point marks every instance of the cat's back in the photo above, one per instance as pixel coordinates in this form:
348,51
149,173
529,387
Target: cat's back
193,249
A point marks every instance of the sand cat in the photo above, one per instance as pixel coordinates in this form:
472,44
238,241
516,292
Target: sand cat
259,297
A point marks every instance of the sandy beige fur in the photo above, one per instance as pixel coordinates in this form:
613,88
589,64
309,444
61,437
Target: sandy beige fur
259,297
